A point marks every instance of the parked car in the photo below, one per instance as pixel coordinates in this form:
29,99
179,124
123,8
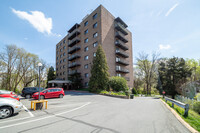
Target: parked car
9,106
50,93
9,94
27,92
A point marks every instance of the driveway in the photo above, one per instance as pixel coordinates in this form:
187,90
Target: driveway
85,112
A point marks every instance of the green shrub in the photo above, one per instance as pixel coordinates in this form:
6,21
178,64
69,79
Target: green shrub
196,107
118,84
134,91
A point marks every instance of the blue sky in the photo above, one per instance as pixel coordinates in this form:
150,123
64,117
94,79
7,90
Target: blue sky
171,27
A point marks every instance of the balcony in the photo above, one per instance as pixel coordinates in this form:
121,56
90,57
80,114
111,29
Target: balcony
123,54
72,72
73,28
74,56
118,19
74,64
123,70
121,28
121,61
73,49
73,34
121,45
73,42
121,36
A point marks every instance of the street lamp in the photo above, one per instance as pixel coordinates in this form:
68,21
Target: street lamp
39,65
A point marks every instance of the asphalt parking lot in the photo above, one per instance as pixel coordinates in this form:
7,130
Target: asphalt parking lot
85,112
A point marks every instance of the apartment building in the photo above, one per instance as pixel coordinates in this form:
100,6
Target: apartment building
75,52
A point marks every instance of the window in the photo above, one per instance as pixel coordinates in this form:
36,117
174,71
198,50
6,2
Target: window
86,66
86,31
117,59
57,58
118,74
64,47
64,60
56,69
60,61
95,16
86,40
94,54
86,23
61,56
56,74
57,63
86,75
64,73
64,54
64,41
118,68
95,35
95,25
60,67
86,57
60,44
95,44
86,84
63,66
61,50
86,49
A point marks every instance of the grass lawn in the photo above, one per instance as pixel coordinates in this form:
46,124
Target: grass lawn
193,118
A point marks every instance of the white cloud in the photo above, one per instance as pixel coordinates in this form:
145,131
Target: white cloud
164,47
171,9
37,19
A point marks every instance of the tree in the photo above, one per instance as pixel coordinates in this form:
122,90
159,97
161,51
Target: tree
51,74
76,80
173,73
148,69
99,73
194,65
118,83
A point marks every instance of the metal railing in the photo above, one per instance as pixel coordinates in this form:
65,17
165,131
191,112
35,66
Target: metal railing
180,104
117,24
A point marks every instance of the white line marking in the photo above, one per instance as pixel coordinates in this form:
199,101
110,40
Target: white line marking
46,116
15,119
28,111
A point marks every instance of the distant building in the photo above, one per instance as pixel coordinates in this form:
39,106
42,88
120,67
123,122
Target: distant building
75,52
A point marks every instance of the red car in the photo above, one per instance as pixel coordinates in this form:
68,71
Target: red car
8,94
50,93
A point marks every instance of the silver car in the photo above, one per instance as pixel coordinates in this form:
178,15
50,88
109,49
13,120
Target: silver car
9,106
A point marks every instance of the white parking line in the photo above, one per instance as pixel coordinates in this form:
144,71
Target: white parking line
25,122
28,111
15,119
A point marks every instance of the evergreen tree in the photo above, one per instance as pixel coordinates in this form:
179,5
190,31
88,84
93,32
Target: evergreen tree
51,74
99,73
76,80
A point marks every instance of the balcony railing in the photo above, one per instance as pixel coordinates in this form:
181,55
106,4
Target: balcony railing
121,61
73,49
123,54
74,56
123,70
72,72
121,28
74,64
121,36
121,45
73,34
73,42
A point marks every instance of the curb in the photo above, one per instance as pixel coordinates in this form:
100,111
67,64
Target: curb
123,97
191,129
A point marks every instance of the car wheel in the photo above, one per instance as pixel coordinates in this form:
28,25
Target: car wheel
41,97
28,96
61,96
5,112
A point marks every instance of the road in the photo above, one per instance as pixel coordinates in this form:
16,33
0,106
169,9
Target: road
90,113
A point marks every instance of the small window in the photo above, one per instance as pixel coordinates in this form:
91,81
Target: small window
60,73
57,46
94,54
86,84
64,73
86,40
86,75
95,16
119,75
63,41
86,57
61,44
86,49
95,44
86,23
61,56
64,60
60,61
64,47
64,54
95,35
61,50
57,58
56,69
57,63
60,67
86,66
86,31
63,66
95,25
